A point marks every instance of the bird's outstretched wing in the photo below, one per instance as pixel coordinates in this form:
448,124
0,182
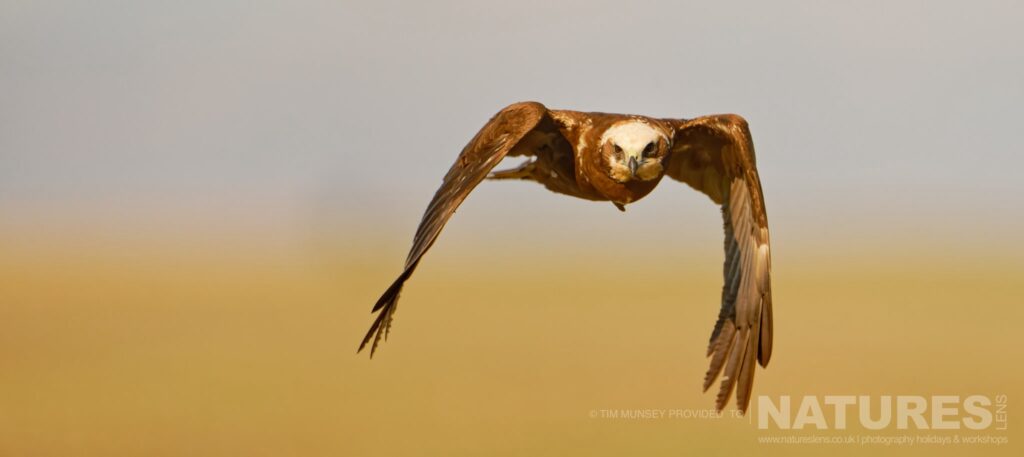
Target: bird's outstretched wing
483,152
715,155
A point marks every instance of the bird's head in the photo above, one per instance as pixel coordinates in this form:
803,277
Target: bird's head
633,151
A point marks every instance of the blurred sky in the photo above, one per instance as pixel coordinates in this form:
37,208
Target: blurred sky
868,118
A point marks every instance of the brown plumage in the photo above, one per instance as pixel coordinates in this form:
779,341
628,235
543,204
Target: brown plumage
621,158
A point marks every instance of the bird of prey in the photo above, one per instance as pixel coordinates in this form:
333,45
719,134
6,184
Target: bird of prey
621,158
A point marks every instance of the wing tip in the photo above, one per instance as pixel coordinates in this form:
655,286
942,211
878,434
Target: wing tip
385,309
379,329
392,292
764,352
733,357
719,350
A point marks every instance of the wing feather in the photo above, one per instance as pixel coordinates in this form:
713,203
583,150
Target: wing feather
491,144
715,155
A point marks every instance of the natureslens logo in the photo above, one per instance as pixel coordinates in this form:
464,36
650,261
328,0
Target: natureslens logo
900,412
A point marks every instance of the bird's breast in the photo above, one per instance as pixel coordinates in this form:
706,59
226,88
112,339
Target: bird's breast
627,192
591,176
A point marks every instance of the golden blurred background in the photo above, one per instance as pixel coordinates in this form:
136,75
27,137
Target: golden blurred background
207,344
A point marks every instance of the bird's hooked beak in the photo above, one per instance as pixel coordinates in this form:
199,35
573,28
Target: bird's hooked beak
633,165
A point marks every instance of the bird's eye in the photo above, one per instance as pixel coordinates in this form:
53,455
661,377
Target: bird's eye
618,152
649,150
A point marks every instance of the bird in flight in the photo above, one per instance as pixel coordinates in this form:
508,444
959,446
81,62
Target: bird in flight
621,158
